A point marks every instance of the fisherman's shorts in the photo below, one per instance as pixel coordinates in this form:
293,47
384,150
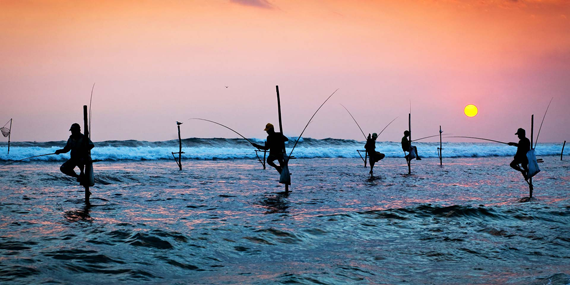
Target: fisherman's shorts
272,158
70,165
376,156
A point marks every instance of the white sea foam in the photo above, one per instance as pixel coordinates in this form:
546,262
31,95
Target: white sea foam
209,149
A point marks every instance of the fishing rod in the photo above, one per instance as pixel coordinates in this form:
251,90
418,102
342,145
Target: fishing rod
10,162
476,138
542,122
426,137
310,122
90,100
206,120
446,136
354,120
361,128
387,126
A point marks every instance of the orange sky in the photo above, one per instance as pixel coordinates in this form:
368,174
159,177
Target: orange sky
158,61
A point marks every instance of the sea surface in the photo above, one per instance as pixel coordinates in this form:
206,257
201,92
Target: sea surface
223,219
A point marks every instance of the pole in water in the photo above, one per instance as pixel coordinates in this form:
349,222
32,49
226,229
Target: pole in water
9,135
86,143
440,148
180,146
285,161
562,152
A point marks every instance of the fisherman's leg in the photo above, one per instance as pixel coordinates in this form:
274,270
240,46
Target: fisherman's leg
81,174
270,161
515,165
525,169
372,166
67,168
417,154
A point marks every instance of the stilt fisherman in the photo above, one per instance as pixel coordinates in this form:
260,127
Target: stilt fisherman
407,147
76,144
373,155
520,161
275,143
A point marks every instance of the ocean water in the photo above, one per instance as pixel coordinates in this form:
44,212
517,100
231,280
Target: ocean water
228,221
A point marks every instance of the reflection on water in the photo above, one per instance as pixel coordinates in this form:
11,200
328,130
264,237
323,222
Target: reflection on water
79,215
230,222
276,203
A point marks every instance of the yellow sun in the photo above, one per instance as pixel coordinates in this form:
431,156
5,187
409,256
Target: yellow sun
470,110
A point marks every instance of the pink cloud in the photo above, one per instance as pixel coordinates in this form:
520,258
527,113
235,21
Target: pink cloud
254,3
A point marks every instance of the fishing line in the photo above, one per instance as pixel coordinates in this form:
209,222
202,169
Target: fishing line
476,138
224,127
310,122
354,120
542,122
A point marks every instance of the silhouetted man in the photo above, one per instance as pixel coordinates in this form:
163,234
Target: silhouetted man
520,161
373,155
407,147
75,143
275,143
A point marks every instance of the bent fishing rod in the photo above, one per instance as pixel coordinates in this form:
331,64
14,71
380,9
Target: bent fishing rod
387,126
290,153
14,161
445,136
219,124
476,138
542,122
354,120
90,101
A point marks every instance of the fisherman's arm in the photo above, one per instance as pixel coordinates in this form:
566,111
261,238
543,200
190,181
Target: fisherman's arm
67,148
513,144
258,146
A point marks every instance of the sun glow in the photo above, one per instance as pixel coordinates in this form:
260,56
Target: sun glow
470,110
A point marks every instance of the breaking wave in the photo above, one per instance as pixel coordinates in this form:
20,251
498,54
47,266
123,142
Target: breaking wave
221,148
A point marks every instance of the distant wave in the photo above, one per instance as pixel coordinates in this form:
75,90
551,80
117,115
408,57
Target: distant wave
221,148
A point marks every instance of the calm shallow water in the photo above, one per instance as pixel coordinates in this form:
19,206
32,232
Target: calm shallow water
229,222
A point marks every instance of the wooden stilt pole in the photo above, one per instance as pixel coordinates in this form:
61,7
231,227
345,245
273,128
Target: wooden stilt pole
9,136
440,148
180,149
180,152
409,151
562,152
531,141
87,154
281,130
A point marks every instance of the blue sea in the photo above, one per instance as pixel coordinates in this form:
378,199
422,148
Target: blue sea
224,219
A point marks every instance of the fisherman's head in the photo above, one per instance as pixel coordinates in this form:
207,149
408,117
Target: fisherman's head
521,133
406,133
75,128
374,136
269,128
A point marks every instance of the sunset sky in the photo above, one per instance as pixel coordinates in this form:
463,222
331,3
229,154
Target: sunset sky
155,62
